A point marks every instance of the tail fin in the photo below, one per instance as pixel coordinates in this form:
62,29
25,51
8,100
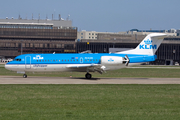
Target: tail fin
148,46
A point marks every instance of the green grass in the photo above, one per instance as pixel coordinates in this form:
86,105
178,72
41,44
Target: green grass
87,102
126,72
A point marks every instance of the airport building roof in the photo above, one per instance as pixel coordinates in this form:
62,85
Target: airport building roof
55,23
11,23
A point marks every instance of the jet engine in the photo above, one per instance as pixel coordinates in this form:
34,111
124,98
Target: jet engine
113,60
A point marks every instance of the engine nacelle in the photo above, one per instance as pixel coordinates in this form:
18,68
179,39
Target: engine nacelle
112,60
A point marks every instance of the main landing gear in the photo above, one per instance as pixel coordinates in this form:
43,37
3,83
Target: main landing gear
24,76
88,76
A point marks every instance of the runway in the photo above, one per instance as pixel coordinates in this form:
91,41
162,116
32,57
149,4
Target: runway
68,80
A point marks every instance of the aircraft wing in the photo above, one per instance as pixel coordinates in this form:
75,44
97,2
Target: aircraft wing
80,66
87,67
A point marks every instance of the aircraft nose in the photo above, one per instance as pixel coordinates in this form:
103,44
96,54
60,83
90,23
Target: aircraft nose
6,66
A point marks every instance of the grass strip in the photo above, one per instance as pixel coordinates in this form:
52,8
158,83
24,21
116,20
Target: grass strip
87,102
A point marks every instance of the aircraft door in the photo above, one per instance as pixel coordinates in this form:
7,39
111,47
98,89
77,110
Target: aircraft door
28,62
81,60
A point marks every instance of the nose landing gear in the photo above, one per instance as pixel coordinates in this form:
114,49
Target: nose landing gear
24,76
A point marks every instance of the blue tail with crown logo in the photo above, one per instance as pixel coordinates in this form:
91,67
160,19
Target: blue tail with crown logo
148,46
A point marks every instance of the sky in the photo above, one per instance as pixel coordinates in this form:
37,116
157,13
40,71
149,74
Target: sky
100,15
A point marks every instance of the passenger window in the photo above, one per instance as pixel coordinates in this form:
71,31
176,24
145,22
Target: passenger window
45,60
56,60
37,60
77,60
59,60
62,60
42,60
73,60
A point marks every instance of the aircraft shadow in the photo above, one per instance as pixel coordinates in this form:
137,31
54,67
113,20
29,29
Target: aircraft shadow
84,78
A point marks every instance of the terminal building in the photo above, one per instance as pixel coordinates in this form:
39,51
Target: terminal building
171,32
20,36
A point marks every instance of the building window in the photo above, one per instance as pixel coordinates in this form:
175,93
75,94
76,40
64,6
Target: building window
92,33
81,36
89,37
92,37
68,46
81,33
89,33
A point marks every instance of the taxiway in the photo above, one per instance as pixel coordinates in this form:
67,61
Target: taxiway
69,80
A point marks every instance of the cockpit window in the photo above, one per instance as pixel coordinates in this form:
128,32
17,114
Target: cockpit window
17,59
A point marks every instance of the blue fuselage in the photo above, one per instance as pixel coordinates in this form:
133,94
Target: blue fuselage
75,58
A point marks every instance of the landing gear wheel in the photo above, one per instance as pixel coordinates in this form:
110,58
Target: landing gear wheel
88,76
24,76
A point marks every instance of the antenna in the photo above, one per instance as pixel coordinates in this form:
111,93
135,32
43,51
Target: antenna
52,16
59,17
68,17
32,16
39,17
46,16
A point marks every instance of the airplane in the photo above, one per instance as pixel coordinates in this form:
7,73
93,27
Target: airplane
88,62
